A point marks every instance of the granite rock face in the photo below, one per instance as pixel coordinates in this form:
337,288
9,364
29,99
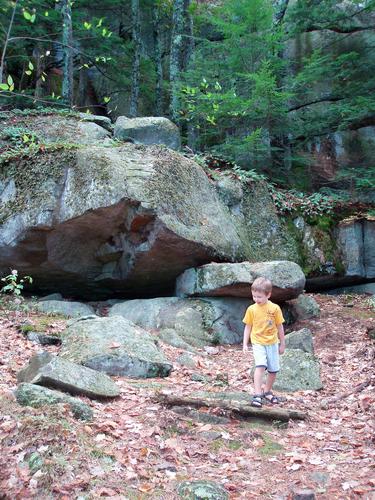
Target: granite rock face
124,221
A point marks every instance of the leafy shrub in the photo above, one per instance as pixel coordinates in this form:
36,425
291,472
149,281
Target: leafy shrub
13,284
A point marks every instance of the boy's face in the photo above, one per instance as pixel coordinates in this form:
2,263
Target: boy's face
260,297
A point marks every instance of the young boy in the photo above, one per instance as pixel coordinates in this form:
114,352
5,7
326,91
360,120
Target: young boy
264,326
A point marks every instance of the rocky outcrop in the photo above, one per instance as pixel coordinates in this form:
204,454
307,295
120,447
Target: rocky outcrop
105,221
56,373
148,130
357,243
37,396
196,322
115,346
234,280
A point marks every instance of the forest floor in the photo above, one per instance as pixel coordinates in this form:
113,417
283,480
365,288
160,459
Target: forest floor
137,449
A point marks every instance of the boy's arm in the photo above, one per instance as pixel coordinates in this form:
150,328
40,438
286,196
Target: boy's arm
281,335
246,337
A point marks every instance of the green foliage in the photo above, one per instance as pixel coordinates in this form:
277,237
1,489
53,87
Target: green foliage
231,94
315,204
14,284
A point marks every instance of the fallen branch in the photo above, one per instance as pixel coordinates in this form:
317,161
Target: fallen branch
358,388
244,409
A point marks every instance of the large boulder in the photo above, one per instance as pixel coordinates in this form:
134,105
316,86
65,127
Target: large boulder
57,373
197,322
148,130
116,346
125,221
235,279
37,396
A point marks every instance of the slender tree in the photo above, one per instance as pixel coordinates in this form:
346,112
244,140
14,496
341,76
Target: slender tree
175,57
137,44
67,40
156,20
6,41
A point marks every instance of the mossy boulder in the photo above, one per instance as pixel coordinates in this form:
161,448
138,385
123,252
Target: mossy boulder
299,371
115,346
37,396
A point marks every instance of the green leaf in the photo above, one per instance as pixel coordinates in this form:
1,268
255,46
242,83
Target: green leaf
26,15
32,18
87,25
28,72
106,99
4,86
46,14
10,81
31,66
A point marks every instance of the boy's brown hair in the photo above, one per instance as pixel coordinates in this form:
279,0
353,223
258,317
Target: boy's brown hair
262,285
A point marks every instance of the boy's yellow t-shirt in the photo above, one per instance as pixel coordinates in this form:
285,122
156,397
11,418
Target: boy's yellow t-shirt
264,320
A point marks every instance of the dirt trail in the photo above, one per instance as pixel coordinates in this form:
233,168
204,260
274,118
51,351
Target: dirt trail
137,449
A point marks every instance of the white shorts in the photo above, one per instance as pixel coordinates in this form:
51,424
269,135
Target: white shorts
267,356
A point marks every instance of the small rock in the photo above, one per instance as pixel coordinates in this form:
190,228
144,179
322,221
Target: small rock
185,360
40,338
303,494
197,377
321,478
201,490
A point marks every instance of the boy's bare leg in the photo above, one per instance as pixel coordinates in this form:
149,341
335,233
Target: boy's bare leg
271,377
258,379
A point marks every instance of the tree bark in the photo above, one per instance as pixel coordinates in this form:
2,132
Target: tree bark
133,111
67,40
244,409
175,56
158,61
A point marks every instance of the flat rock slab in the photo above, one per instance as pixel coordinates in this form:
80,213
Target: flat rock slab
235,280
36,396
64,307
116,346
57,373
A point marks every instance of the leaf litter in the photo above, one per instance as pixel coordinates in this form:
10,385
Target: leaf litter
138,449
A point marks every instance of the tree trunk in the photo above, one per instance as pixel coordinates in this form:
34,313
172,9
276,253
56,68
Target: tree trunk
82,85
240,407
158,61
39,68
2,60
67,40
133,111
176,56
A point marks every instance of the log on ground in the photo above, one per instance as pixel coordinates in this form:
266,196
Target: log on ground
243,409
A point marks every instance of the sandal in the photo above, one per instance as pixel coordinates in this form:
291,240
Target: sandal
257,401
271,398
